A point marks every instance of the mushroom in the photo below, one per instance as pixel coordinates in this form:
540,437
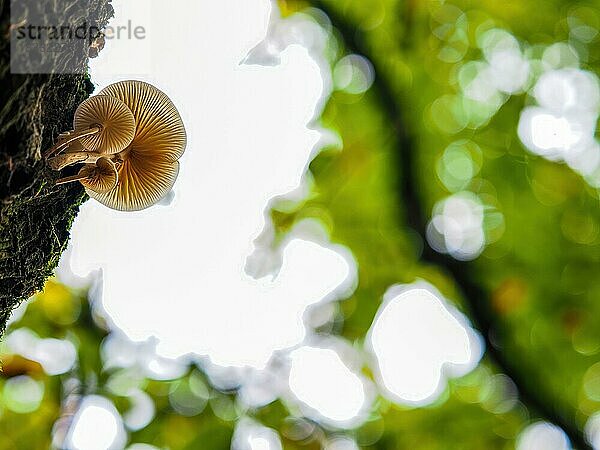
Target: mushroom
143,181
158,124
102,125
146,167
75,153
99,178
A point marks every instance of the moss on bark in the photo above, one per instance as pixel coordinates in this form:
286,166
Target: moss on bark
36,215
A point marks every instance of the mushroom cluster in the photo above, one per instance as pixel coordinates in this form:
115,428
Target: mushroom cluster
129,139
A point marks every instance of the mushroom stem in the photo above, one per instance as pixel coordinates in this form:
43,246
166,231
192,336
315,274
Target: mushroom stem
71,179
67,159
70,137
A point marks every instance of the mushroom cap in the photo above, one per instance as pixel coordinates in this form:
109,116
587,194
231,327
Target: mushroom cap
115,119
159,128
142,182
149,166
100,178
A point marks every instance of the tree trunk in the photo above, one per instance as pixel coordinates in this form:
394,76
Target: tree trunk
35,214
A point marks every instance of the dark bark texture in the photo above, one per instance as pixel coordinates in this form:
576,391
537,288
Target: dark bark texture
36,215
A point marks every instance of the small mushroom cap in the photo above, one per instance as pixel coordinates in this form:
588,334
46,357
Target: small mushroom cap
142,182
115,119
159,128
100,178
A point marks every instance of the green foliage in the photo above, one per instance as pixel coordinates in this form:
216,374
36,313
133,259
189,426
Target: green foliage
537,273
409,142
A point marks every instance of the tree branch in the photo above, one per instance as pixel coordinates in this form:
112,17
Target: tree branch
475,297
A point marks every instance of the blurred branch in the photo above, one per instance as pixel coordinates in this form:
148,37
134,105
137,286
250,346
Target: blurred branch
476,298
407,17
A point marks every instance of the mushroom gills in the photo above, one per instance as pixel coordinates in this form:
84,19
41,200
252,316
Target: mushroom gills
101,124
149,164
100,177
142,183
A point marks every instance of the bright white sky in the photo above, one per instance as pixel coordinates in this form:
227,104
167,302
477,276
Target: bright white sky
178,271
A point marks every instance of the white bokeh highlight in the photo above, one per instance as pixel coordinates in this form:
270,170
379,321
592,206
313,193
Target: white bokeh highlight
486,84
592,431
56,356
341,443
507,68
97,425
457,226
542,436
418,341
562,126
326,387
119,352
139,446
141,412
249,435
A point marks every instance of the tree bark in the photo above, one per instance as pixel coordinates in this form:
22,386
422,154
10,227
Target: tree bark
35,214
